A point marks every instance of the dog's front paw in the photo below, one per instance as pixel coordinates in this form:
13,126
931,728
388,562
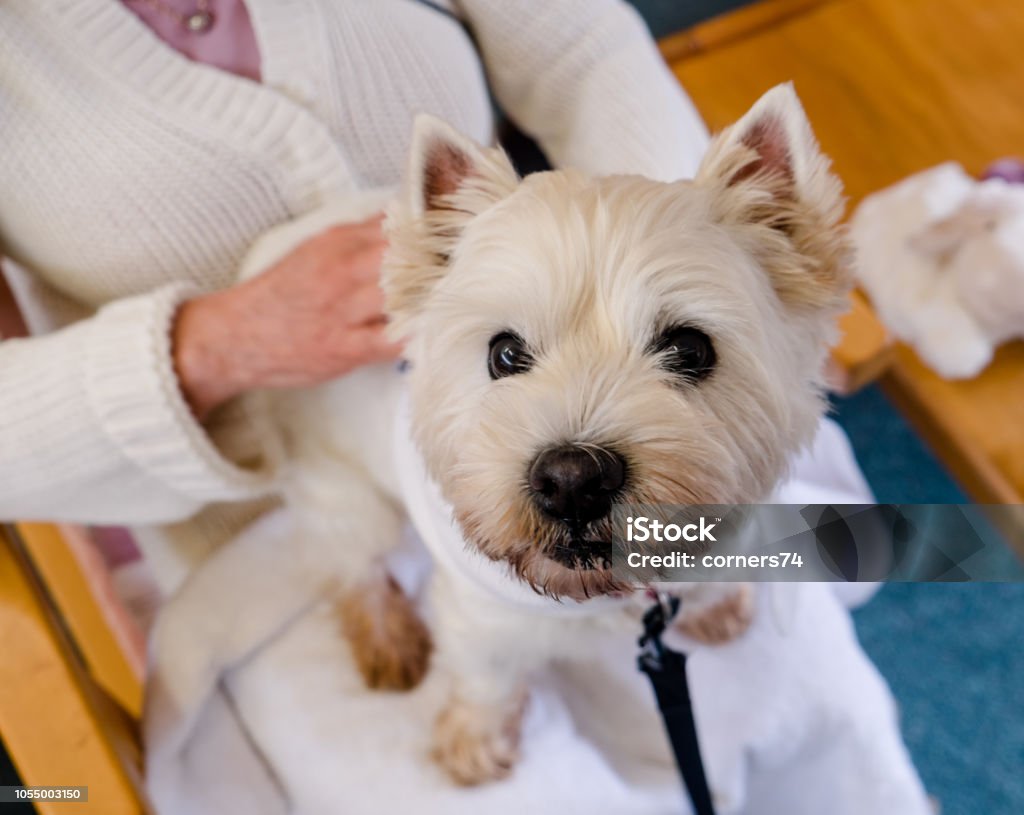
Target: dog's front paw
720,619
476,743
390,643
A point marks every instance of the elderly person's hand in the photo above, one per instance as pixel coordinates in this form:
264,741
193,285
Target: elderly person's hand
315,315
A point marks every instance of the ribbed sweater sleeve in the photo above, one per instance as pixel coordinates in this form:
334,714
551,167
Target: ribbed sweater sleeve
586,80
96,429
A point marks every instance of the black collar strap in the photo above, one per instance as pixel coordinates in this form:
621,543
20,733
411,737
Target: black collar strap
667,671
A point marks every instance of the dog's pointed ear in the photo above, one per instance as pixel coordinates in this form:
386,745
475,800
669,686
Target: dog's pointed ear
440,160
450,179
767,172
771,147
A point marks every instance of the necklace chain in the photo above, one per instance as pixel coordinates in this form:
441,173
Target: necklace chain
198,21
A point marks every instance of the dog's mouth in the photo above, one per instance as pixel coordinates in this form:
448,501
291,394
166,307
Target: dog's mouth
572,573
554,559
580,553
572,563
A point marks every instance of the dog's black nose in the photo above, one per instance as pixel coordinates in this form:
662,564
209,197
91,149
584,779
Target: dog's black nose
576,484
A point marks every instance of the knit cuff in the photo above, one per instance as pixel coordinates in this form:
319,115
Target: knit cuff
135,394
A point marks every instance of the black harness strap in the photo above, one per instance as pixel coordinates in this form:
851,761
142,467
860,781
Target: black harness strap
667,671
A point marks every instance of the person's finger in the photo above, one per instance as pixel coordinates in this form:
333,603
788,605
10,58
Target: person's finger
370,229
374,222
363,305
367,344
364,264
349,237
379,346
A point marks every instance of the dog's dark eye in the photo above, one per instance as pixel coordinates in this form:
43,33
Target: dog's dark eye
686,351
508,356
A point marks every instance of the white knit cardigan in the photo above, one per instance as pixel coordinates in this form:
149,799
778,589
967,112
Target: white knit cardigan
132,178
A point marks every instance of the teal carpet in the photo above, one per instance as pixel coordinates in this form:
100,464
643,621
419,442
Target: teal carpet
953,655
900,469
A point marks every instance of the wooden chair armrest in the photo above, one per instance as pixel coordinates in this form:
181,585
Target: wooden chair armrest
731,26
59,728
80,586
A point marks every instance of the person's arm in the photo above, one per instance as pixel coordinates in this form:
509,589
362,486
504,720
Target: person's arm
586,80
94,428
100,422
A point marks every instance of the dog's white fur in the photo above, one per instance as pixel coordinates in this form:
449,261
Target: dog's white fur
587,271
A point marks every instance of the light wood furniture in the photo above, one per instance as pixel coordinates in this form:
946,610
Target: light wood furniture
59,725
893,87
80,586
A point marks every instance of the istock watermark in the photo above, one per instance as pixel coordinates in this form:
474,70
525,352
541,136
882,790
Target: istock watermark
643,529
818,542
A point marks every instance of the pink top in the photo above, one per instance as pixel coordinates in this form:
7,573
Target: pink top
229,43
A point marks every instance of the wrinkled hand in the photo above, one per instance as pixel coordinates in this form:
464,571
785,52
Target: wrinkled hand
316,315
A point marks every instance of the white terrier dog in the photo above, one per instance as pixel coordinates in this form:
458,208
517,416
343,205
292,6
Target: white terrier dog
574,342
